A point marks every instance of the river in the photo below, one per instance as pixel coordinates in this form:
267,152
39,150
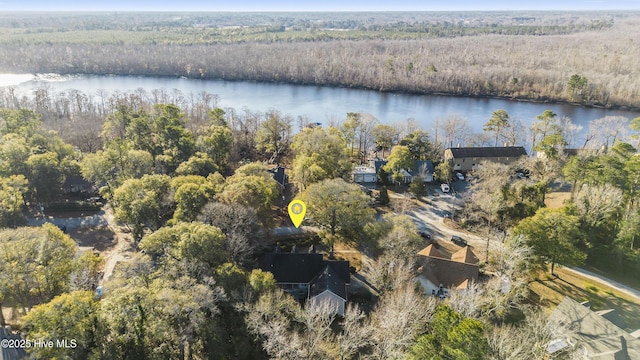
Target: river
323,104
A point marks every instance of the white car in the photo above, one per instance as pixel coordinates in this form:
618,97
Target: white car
444,188
460,176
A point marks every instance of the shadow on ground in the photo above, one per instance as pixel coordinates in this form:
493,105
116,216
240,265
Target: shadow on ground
101,238
550,291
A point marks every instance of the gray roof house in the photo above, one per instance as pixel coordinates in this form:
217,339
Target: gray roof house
422,168
307,276
575,327
468,158
365,175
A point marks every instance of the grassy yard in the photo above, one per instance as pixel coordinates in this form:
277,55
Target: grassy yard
556,200
548,291
346,252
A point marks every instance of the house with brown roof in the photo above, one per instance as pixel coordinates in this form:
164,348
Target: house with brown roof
468,158
441,272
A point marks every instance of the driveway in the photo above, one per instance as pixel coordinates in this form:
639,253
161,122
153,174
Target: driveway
71,222
430,218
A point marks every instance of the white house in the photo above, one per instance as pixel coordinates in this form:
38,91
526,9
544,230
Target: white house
365,175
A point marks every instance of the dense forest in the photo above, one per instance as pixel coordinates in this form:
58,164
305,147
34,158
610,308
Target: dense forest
585,58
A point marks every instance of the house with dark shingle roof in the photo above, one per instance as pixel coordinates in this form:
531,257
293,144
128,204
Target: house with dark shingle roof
279,176
442,272
331,285
308,277
468,158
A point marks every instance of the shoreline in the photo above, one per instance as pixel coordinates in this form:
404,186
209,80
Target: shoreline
545,100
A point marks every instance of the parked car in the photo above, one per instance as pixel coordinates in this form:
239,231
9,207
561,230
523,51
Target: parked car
460,176
96,199
444,188
458,240
425,235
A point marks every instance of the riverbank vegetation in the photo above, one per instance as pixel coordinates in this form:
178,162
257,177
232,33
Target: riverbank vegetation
586,58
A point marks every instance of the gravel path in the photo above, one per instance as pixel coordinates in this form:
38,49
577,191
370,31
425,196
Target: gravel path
123,250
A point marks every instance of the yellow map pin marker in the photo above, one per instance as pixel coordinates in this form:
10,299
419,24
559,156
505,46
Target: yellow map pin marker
297,209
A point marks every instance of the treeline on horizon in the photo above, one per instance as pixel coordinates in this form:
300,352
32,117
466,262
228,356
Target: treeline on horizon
518,56
43,22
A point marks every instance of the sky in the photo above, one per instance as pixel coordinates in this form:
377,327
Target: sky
313,5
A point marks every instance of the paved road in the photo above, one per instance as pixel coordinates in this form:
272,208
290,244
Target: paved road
430,218
71,222
603,280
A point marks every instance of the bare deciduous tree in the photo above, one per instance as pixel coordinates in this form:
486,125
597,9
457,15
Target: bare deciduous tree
529,340
569,130
597,202
455,129
241,226
288,331
354,334
388,273
516,133
398,318
605,131
485,197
